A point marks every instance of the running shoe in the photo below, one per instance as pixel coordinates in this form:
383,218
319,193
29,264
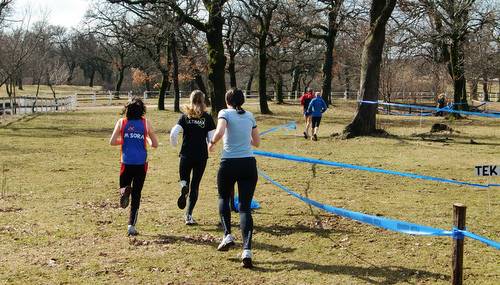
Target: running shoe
246,258
125,196
189,220
226,243
315,137
131,231
181,202
306,136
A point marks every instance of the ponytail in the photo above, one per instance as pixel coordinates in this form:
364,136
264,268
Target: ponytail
236,98
239,109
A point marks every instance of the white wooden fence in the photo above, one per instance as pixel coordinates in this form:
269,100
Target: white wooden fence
99,98
27,105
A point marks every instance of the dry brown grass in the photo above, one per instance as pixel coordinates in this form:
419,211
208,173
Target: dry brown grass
60,222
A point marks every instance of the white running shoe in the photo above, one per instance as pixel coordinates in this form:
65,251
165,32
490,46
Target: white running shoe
226,243
189,220
131,231
246,258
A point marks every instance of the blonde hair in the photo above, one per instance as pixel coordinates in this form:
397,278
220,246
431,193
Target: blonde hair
196,106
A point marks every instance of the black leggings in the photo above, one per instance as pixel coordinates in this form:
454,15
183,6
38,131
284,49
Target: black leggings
133,175
186,165
244,172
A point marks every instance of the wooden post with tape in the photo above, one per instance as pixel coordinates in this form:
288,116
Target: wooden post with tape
458,244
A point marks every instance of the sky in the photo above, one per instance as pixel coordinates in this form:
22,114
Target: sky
67,13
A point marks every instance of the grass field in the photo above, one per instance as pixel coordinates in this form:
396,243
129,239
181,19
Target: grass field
60,222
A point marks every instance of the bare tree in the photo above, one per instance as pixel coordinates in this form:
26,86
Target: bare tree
66,48
105,23
258,24
234,39
445,26
364,122
328,33
5,6
148,26
482,59
212,28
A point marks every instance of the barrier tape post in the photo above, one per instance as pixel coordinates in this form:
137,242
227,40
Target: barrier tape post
458,243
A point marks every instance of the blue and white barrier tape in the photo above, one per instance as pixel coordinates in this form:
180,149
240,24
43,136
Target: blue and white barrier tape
385,223
484,240
446,109
365,168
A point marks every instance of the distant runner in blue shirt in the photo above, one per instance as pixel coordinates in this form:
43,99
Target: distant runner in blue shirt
316,108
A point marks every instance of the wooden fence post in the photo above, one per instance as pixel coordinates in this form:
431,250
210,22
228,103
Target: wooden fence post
458,244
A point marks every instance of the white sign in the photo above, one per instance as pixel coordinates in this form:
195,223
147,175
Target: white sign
487,170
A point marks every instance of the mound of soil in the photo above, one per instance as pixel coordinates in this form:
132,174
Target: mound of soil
436,128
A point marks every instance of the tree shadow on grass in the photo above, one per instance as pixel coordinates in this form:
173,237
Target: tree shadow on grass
447,138
281,230
60,132
23,119
205,239
202,239
370,275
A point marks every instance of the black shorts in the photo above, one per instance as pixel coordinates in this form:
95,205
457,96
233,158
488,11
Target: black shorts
316,121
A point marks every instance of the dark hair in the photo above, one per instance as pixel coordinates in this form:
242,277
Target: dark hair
134,109
236,98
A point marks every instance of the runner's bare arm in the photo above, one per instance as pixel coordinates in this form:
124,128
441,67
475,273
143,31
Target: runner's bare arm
115,137
219,133
152,135
255,137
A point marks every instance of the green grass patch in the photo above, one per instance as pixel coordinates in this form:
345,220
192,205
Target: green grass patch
60,220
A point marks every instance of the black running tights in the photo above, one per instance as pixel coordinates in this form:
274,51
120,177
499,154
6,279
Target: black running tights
242,171
186,166
133,175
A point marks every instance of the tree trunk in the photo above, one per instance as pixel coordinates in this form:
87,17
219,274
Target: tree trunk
163,89
36,96
457,71
295,79
486,95
121,75
435,80
216,58
232,70
347,80
71,69
91,79
364,122
175,73
201,86
53,94
473,86
165,83
326,88
20,82
264,107
249,83
278,88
